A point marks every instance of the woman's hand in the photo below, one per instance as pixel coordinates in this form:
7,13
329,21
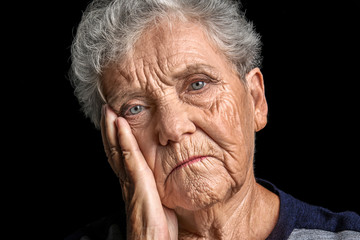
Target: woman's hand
147,218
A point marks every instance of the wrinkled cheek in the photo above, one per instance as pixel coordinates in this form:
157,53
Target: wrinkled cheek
230,126
230,114
224,124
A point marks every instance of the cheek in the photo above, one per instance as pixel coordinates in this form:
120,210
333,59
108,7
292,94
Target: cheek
229,123
229,120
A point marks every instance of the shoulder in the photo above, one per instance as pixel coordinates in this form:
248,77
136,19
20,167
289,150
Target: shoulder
300,220
309,234
315,222
314,217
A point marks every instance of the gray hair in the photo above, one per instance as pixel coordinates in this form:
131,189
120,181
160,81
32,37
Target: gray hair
109,29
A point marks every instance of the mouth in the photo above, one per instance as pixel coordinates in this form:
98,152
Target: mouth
187,162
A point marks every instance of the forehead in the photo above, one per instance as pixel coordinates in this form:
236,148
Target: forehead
160,54
174,43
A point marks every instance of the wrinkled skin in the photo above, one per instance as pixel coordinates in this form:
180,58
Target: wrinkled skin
176,98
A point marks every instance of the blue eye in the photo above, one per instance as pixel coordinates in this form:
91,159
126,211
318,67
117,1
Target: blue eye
198,85
136,109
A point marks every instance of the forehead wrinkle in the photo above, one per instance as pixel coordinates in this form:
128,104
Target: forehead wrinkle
119,80
113,81
163,73
158,83
144,83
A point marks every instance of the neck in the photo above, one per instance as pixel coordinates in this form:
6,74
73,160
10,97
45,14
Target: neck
250,213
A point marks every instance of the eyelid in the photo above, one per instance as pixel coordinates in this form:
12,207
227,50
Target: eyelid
141,101
126,108
201,77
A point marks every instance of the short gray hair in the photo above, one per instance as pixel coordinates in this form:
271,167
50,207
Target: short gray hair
109,29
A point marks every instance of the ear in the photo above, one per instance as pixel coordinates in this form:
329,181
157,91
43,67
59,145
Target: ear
256,87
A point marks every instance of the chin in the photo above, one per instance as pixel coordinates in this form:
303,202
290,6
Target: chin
195,190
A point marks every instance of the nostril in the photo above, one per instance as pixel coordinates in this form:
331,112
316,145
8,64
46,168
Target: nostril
173,130
170,134
163,141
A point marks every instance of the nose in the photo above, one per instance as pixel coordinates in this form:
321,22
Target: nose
174,123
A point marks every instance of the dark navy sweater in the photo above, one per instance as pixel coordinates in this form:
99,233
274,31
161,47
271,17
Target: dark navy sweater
299,220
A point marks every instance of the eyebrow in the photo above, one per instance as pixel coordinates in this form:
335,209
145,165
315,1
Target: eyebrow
194,68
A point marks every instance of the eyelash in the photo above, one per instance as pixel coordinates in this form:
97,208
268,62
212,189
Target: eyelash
125,110
202,78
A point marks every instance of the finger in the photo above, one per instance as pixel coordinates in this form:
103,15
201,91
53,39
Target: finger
110,128
106,142
109,134
134,160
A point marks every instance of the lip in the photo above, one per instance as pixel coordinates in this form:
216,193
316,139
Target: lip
187,162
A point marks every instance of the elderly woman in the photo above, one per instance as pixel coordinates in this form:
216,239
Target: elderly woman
176,89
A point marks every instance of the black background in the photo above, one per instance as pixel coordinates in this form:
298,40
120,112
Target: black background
309,147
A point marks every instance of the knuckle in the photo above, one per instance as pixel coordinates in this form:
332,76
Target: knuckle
114,153
126,155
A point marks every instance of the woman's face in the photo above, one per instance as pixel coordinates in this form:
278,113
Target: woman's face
193,118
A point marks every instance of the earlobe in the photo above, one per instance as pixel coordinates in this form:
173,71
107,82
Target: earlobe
257,90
